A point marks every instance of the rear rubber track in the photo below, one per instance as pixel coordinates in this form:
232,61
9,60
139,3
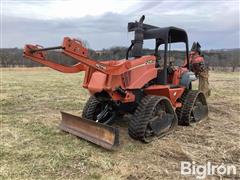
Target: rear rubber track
139,121
184,113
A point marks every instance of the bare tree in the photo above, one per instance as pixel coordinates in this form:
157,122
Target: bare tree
4,58
234,59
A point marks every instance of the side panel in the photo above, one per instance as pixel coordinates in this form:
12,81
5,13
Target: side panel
97,82
140,72
164,90
140,77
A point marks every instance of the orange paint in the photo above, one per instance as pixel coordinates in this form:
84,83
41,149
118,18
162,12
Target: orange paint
108,75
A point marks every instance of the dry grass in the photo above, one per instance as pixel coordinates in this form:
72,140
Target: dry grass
33,147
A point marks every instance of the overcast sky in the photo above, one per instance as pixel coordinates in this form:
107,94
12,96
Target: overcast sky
103,24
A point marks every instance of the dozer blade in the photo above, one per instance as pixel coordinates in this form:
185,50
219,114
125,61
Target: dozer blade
97,133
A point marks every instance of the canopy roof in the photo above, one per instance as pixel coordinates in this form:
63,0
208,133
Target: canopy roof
166,35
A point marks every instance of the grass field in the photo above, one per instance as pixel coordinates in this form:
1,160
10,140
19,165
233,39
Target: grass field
32,146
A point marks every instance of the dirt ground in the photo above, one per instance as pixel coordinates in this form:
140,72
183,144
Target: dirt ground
33,147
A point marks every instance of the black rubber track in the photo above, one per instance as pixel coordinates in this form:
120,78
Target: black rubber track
138,123
184,113
143,114
90,108
182,100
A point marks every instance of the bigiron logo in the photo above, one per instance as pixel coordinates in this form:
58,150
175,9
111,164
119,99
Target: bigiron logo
208,169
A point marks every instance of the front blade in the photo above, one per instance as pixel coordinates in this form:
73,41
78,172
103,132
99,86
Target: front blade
97,133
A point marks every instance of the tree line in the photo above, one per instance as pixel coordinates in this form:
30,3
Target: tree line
12,57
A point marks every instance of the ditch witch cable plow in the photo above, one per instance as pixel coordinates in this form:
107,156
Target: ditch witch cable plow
157,94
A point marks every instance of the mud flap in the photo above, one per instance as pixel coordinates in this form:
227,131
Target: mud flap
97,133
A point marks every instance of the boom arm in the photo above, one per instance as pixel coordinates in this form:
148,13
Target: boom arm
74,49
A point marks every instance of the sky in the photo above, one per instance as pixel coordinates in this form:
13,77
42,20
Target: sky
103,24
